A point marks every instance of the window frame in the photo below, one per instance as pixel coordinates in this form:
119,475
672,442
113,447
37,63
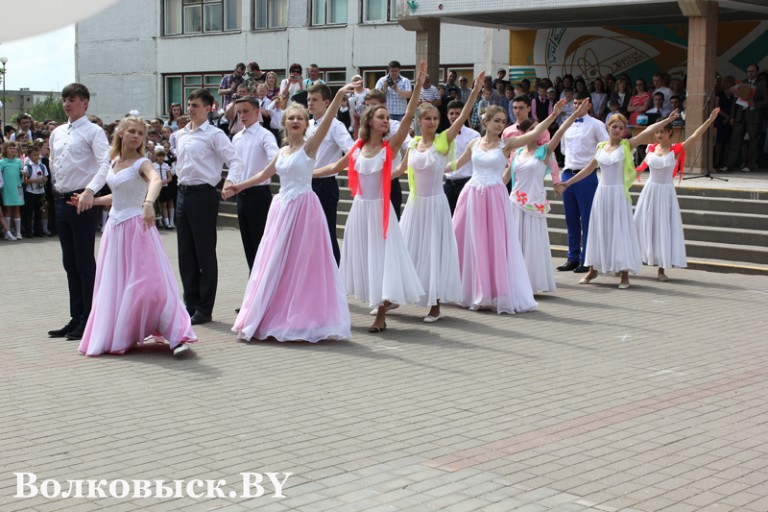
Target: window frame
202,5
268,27
326,23
391,13
189,83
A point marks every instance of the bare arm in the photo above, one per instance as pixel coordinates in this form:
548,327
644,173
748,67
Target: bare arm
397,139
455,128
589,169
268,172
150,175
533,135
402,167
555,140
332,169
701,129
311,146
464,158
645,135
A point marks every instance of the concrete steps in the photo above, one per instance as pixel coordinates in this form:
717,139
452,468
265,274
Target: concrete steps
726,230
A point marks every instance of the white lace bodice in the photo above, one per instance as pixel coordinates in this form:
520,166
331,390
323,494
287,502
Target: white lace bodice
295,171
129,191
662,168
487,166
369,174
611,167
428,167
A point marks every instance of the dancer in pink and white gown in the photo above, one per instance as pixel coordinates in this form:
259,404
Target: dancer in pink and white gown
135,295
493,271
295,291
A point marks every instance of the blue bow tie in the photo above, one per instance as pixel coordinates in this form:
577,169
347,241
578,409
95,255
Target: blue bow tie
579,120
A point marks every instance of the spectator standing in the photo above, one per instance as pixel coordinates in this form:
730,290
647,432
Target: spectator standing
397,88
229,84
746,117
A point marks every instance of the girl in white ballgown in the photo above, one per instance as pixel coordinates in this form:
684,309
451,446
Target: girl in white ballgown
493,273
530,206
375,265
657,214
613,243
426,223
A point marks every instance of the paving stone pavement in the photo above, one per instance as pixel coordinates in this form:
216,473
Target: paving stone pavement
652,398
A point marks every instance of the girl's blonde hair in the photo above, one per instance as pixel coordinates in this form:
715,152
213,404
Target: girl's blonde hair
617,117
304,113
424,108
117,139
492,111
365,121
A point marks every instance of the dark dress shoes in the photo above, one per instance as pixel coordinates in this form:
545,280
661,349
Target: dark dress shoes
75,334
200,318
581,269
60,333
568,265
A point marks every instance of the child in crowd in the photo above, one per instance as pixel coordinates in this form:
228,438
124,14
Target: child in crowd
13,187
164,171
35,212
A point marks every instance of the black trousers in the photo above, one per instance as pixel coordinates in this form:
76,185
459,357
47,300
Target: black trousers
452,189
396,196
77,235
327,190
252,210
196,211
31,216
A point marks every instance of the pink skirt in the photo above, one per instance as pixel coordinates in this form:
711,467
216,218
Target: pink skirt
493,271
295,291
135,295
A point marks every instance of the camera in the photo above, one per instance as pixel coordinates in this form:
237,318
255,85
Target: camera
390,82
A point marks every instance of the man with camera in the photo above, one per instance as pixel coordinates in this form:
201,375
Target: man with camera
398,90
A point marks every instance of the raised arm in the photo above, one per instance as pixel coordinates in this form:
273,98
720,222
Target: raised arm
533,135
331,169
555,140
397,139
402,167
150,175
645,135
701,129
455,128
310,147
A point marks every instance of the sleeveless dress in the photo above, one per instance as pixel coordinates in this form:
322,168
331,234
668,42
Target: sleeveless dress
294,291
493,271
375,269
428,229
13,185
529,211
657,216
135,294
612,244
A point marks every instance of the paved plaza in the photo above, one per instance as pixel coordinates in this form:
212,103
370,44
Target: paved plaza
652,398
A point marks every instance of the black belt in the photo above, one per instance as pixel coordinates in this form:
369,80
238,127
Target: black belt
572,171
324,178
194,187
67,195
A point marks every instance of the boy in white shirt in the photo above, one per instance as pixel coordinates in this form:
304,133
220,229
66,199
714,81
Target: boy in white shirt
34,214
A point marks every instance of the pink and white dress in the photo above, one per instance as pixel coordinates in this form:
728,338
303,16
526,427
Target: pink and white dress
428,230
135,294
295,291
493,271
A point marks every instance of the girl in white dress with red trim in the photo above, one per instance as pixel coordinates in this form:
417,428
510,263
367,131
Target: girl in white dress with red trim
657,214
135,295
295,291
426,223
375,264
493,272
613,242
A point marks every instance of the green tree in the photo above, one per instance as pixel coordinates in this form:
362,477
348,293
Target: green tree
50,108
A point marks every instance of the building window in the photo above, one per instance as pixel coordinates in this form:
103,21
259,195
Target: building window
379,10
268,14
200,16
178,87
329,12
